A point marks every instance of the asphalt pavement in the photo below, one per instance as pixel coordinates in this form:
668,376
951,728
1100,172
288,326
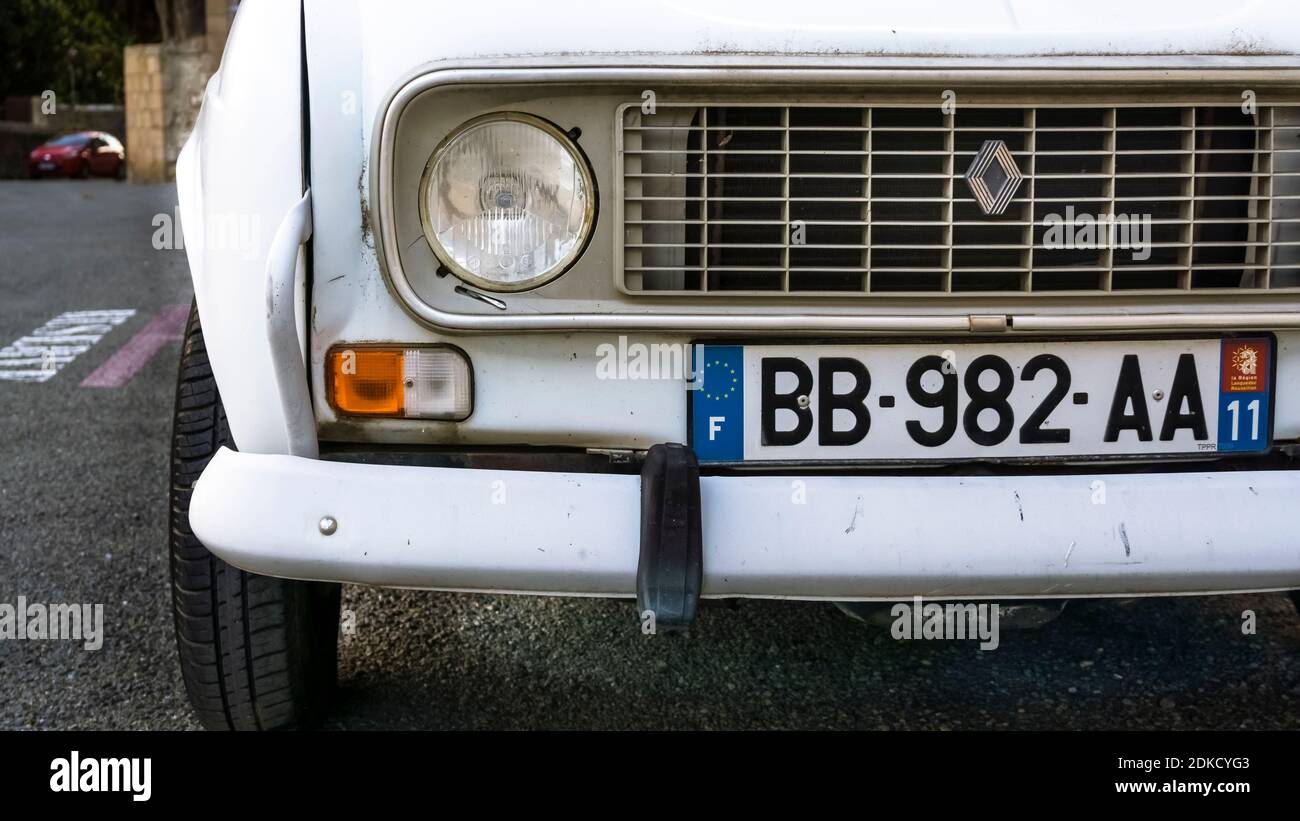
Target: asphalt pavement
83,505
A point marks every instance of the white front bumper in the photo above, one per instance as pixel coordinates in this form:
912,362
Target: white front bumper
833,537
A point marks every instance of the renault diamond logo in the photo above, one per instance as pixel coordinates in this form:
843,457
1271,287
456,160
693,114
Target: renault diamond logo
993,177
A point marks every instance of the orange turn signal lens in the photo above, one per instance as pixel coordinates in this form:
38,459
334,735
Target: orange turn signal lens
404,382
367,381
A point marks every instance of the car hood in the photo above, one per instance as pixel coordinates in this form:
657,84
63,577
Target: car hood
380,45
58,150
403,31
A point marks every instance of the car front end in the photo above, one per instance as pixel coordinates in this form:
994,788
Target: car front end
60,159
959,300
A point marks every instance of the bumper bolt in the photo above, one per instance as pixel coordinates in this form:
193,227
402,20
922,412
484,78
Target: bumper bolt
328,525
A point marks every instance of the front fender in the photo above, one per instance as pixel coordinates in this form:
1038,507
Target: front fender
238,178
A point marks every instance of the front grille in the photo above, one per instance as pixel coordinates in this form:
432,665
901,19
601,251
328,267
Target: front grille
844,200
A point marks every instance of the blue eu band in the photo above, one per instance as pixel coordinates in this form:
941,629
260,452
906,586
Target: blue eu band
718,405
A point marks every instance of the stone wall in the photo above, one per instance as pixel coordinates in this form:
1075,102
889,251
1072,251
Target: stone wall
219,13
145,140
164,91
68,118
186,69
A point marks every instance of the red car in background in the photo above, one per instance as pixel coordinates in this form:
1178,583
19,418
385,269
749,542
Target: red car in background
84,154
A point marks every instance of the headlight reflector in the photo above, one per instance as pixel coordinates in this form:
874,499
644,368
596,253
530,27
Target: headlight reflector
507,202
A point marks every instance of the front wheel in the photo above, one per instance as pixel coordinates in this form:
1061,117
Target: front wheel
256,652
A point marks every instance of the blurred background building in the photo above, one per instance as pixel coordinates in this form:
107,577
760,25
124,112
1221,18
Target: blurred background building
164,85
133,68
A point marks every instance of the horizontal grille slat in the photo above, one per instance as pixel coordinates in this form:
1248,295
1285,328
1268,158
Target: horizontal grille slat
856,199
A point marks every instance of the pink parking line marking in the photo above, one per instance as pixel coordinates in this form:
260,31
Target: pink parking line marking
120,368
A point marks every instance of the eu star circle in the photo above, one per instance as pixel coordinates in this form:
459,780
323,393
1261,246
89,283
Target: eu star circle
720,380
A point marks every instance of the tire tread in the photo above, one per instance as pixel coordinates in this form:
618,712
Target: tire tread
256,653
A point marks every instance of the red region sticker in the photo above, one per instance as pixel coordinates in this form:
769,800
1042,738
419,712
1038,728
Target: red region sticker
1245,365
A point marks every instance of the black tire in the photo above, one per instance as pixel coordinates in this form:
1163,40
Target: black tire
256,653
120,174
83,173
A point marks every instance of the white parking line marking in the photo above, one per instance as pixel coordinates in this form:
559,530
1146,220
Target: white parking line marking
44,352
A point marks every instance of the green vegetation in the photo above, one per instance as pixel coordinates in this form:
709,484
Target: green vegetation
72,47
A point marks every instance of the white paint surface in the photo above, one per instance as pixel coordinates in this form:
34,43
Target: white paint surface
839,537
243,164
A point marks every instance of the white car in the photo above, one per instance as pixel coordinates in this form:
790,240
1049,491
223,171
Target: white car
842,301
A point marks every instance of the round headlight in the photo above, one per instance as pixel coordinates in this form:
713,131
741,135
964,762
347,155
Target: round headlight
507,202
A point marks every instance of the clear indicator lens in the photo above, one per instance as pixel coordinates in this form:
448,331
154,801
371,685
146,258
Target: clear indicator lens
437,384
507,203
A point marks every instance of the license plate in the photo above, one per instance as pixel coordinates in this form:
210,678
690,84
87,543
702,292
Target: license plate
45,166
915,402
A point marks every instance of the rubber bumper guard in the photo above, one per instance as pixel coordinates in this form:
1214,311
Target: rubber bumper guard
670,573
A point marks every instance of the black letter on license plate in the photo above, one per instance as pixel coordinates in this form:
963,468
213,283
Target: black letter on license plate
1129,388
1188,386
773,401
828,400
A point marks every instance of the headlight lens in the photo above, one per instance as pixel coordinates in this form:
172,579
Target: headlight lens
507,202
